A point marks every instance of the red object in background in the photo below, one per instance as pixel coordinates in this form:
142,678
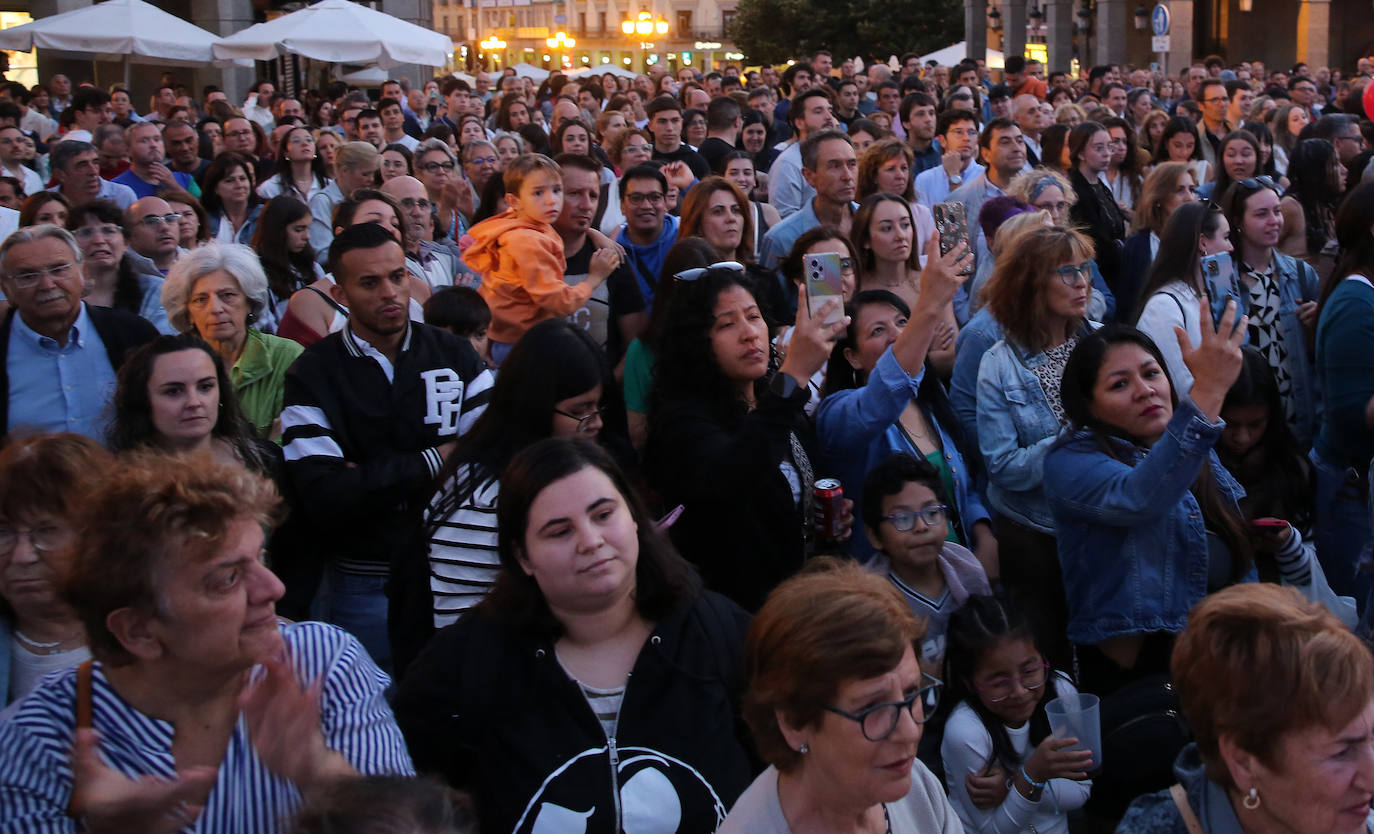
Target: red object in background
1369,100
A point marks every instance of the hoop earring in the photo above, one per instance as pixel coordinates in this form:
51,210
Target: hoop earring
1252,801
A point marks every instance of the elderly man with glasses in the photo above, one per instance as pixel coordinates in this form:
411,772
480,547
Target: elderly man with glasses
58,356
437,264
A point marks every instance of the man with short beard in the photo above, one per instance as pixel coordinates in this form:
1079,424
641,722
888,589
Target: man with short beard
649,230
183,150
617,300
148,170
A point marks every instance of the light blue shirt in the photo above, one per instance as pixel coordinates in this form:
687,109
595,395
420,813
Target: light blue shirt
778,241
932,185
59,388
788,190
121,195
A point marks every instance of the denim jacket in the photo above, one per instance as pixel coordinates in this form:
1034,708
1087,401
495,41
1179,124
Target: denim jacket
859,428
1297,282
1016,426
1131,537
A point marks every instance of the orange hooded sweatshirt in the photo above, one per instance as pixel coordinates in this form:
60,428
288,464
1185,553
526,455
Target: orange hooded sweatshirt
521,263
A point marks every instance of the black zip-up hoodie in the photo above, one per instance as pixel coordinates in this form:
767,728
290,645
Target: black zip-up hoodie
493,712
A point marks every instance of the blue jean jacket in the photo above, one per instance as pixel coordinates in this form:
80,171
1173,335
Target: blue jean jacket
1131,537
858,429
1016,426
1297,282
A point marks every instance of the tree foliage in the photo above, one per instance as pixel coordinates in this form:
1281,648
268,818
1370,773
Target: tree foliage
772,31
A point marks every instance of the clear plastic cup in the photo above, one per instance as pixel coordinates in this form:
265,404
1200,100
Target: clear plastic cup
1080,717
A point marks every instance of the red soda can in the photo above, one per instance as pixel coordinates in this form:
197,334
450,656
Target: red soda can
829,506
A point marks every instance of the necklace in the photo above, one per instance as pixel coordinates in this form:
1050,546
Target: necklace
41,647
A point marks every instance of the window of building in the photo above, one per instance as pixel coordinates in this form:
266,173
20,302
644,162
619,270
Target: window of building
684,23
727,17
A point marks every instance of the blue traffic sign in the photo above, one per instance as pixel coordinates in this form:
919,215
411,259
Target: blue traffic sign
1159,19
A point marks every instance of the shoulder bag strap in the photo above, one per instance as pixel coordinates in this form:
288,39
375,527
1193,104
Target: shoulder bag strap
1185,810
84,710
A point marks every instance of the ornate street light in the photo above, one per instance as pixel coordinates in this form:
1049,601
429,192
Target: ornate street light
641,27
560,43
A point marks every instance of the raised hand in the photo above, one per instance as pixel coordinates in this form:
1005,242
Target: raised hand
1216,362
284,724
940,280
812,339
111,802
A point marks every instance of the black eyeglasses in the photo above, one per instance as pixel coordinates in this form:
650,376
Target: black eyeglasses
880,720
697,273
584,421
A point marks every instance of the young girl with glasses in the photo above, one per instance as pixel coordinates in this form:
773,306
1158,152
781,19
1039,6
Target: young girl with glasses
1004,770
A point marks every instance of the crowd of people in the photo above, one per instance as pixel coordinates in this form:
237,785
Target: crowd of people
497,456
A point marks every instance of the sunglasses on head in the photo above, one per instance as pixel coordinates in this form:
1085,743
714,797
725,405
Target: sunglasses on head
699,272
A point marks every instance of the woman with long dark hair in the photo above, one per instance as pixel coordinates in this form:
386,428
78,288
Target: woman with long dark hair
230,199
282,241
1176,282
597,686
1096,210
1136,477
300,171
555,383
728,438
1316,181
174,394
1238,158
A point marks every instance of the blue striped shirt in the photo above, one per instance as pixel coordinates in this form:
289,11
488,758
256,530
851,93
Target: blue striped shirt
35,744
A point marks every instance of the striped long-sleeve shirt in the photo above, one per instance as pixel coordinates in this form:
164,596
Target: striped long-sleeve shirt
36,743
463,560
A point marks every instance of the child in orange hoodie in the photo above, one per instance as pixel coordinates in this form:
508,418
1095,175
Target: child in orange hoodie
520,256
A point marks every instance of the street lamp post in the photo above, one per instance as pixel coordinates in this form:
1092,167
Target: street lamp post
495,47
641,27
560,43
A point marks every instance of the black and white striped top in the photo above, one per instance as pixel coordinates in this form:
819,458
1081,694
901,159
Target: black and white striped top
36,743
463,562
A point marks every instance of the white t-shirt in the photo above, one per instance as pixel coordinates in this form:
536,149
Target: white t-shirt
967,748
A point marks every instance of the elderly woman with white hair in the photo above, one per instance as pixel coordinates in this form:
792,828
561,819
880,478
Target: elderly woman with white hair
221,291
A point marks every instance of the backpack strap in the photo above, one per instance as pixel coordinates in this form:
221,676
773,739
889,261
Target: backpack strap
1185,810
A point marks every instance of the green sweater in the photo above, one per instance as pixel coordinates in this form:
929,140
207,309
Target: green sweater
1345,373
258,375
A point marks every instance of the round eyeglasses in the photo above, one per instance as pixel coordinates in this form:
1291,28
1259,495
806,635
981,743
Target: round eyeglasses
1003,687
880,720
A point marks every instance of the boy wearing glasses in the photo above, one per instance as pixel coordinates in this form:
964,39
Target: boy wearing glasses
907,519
520,256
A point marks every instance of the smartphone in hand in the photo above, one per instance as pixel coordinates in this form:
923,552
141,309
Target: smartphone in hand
824,281
952,224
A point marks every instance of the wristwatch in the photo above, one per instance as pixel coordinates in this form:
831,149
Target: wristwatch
957,179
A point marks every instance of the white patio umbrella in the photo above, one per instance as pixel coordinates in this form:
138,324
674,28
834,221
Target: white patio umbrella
131,31
954,53
603,69
522,70
340,31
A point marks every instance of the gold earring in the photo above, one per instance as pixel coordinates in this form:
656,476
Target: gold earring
1252,801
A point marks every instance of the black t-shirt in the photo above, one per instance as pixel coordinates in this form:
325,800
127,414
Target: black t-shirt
713,150
700,169
617,296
